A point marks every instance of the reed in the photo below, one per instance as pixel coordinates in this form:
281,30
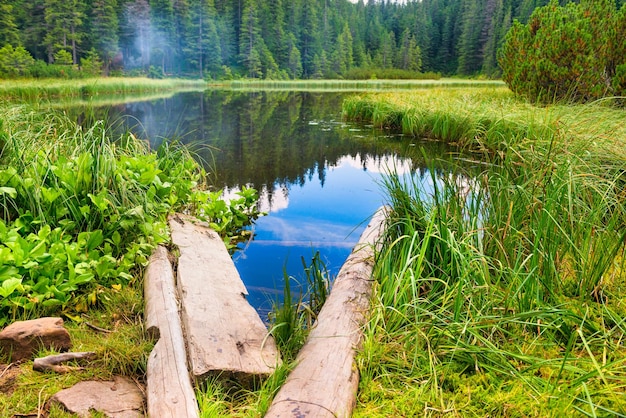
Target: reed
499,291
357,85
48,89
484,118
293,316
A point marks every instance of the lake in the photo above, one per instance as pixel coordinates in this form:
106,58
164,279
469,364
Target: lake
318,177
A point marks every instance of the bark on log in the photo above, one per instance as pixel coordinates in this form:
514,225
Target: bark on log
325,380
223,331
169,389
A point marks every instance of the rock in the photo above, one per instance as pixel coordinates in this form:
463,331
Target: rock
22,339
120,398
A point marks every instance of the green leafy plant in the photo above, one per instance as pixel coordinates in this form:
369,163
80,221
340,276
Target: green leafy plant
81,212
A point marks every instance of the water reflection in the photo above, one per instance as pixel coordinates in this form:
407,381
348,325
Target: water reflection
317,176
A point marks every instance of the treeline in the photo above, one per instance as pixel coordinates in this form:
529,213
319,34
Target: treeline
255,38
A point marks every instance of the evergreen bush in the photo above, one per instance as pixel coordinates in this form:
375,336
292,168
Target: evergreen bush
571,53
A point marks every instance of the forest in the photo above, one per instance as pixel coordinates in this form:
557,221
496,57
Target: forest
277,39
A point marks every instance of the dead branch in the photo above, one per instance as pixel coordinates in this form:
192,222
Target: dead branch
52,363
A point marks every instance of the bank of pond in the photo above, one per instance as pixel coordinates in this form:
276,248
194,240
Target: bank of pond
499,285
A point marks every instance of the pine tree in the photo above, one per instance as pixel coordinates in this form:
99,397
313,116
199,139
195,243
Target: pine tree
64,19
135,29
203,49
409,53
309,37
162,35
470,46
249,38
294,67
182,30
343,51
9,34
104,27
387,52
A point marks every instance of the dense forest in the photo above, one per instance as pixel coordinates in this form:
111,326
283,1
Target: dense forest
255,38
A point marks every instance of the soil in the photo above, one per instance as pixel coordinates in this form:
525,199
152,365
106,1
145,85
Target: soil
8,378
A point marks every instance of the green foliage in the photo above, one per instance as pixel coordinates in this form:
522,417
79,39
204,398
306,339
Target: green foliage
9,34
63,57
91,64
495,285
80,212
389,74
15,62
574,52
292,318
309,39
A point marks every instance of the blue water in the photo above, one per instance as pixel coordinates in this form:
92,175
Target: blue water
303,219
318,176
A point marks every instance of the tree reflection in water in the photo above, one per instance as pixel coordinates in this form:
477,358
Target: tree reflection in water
316,174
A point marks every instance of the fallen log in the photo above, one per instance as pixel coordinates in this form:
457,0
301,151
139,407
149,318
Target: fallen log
325,380
53,362
224,333
169,388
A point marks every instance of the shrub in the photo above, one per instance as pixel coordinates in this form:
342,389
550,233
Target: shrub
575,52
14,62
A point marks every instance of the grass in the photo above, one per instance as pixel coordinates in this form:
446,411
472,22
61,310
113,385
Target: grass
502,294
357,85
49,89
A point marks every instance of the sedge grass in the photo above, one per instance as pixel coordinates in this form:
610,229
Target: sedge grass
48,89
355,85
502,294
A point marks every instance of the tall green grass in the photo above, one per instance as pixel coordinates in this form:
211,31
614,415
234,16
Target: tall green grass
357,85
293,316
49,89
487,119
503,294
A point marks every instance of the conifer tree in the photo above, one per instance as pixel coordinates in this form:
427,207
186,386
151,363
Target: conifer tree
64,19
104,27
162,34
9,34
203,50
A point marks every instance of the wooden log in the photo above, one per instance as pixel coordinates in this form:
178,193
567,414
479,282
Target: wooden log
224,333
169,388
325,380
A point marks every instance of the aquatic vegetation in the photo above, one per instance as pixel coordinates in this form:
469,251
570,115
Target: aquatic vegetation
502,294
293,315
48,89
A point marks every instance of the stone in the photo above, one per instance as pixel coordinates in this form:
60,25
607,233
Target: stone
22,339
119,398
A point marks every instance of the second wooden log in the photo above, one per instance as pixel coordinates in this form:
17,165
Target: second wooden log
325,380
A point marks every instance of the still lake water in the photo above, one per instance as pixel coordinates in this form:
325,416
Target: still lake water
318,176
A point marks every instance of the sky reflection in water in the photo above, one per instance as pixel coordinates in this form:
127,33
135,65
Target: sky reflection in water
303,219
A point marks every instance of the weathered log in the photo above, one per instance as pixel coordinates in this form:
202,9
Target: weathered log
325,380
53,362
169,388
224,333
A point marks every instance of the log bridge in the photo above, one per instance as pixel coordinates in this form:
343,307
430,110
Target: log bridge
203,325
200,319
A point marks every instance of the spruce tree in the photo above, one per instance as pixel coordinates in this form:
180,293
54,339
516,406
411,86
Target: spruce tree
104,27
9,34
